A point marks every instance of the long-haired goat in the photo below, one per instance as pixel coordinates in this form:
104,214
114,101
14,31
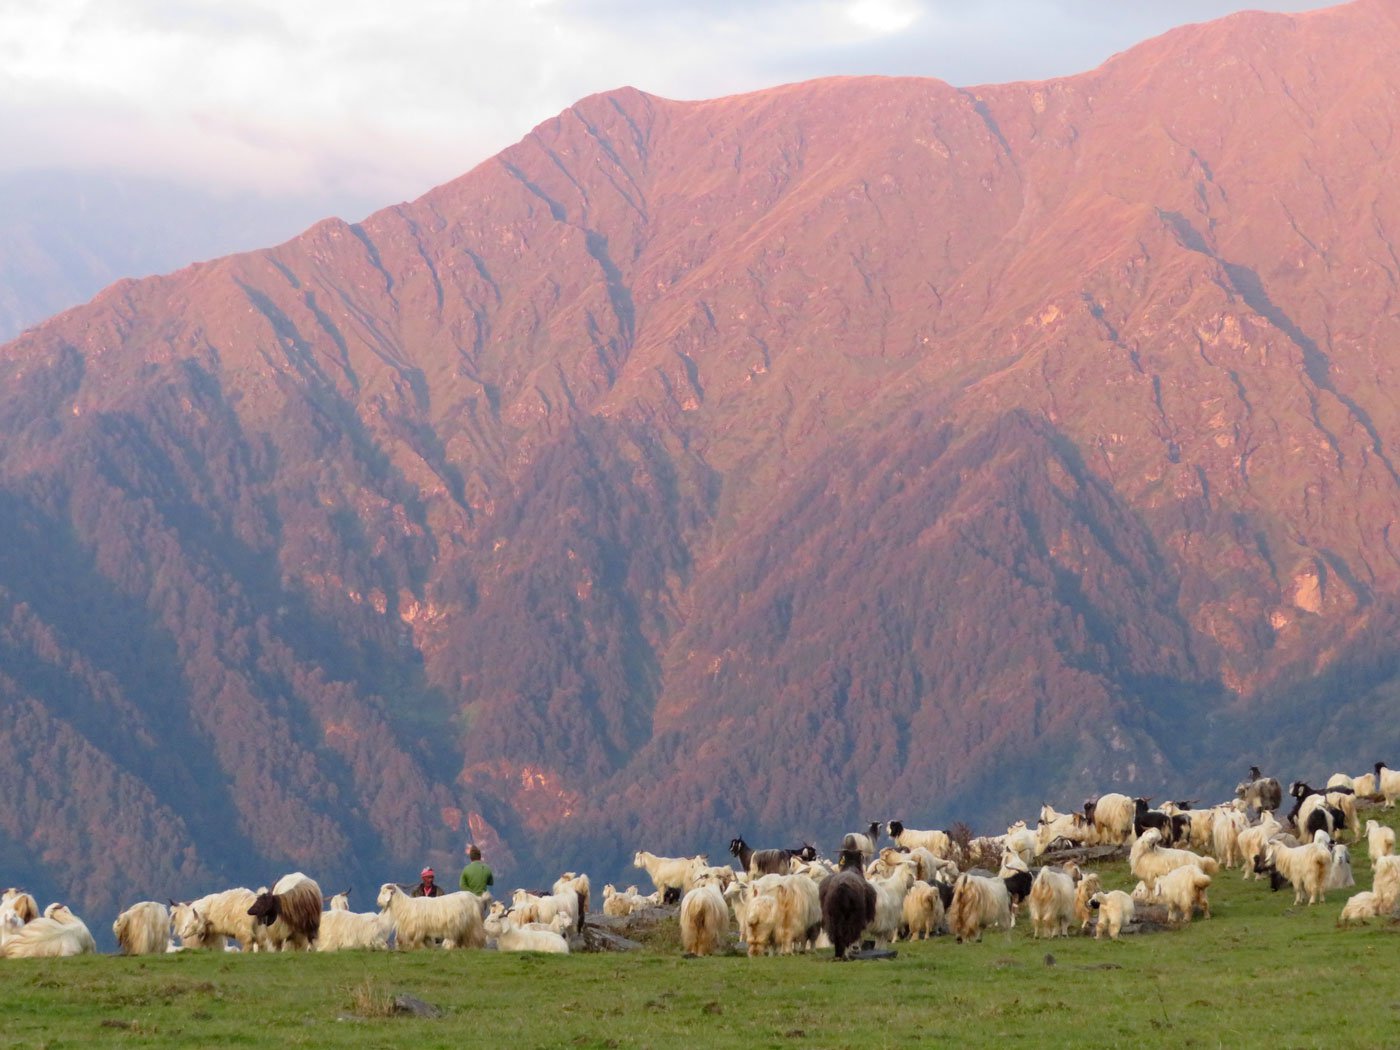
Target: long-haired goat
454,918
209,921
1387,784
1306,867
513,937
1359,908
143,929
848,904
1183,890
1380,840
939,843
1385,883
58,933
978,903
1052,903
581,885
1149,860
291,913
21,904
668,874
923,910
704,920
1083,893
1115,909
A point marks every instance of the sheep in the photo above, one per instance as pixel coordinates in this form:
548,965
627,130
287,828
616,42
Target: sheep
1385,883
1052,903
923,910
581,885
453,918
1251,843
143,929
1116,910
978,903
1262,793
58,933
512,937
24,906
291,911
1387,784
1380,840
1112,817
848,904
939,843
668,874
1149,860
704,920
209,921
1083,893
1183,890
1359,908
1339,876
1306,867
865,843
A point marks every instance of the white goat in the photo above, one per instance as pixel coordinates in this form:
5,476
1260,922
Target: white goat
210,920
511,937
1052,903
454,918
1183,890
704,920
1116,910
1150,860
143,929
1380,840
923,910
667,873
345,930
1306,867
58,933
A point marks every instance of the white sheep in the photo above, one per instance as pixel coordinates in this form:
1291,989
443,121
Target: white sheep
453,918
143,929
923,910
1116,910
58,933
345,930
210,920
1052,903
704,920
1380,840
668,873
511,937
1183,890
1306,867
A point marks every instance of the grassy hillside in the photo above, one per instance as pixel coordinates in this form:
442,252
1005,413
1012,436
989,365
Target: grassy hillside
1261,972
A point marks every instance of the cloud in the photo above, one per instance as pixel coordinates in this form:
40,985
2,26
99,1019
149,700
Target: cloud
362,98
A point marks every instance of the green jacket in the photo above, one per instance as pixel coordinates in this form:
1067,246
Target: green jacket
476,876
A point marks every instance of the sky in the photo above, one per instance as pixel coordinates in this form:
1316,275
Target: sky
365,100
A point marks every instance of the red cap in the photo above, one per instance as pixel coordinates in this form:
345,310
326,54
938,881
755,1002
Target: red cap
425,873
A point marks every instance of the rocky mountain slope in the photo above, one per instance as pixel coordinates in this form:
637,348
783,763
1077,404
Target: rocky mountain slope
853,449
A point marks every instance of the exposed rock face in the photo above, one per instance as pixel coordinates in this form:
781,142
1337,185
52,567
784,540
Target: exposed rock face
766,464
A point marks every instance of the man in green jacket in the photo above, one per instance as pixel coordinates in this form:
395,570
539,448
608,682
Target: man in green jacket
476,876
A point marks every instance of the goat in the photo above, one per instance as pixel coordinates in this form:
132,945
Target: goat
455,919
1306,867
978,903
1380,840
769,861
143,929
1116,910
291,911
1387,784
704,919
848,904
1052,903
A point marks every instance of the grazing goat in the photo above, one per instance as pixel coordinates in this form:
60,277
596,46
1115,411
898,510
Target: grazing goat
1306,867
978,903
1116,910
291,913
513,937
454,918
58,933
1052,903
143,929
1359,908
704,920
1380,840
848,904
1183,890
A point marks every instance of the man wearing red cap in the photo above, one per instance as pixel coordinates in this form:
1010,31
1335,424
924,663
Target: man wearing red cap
426,886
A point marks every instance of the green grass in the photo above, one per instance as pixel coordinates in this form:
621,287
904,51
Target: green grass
1260,973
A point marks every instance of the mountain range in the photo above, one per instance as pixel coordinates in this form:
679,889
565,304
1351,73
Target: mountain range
855,449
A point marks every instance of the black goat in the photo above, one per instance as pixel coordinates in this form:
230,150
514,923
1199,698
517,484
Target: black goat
769,861
848,904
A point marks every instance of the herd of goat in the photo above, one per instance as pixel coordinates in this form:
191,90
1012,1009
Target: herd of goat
789,900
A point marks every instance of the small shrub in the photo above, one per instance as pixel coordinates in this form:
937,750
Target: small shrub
370,998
